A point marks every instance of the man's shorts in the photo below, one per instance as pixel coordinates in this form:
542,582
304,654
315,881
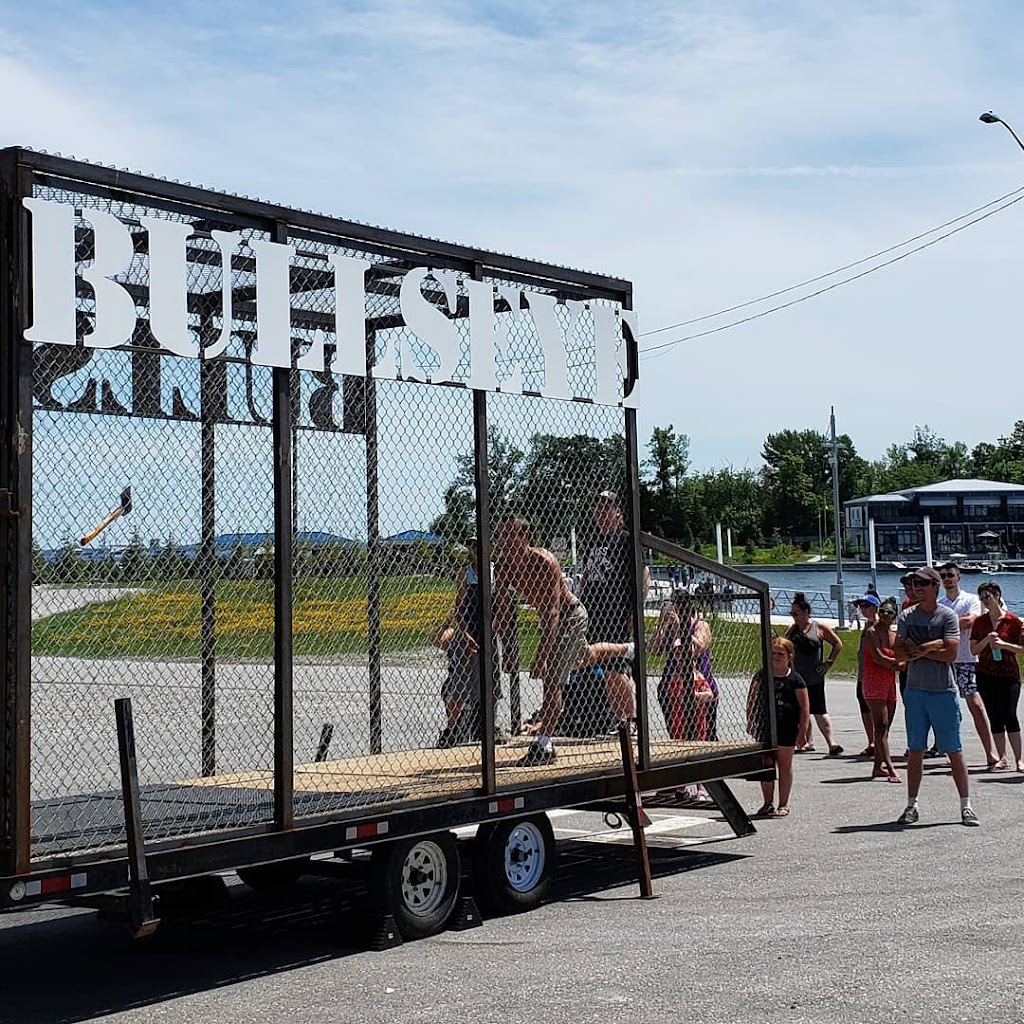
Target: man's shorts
462,680
966,680
923,709
816,698
612,634
861,702
570,646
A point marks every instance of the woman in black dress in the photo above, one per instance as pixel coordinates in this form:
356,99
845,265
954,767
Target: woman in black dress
792,721
809,637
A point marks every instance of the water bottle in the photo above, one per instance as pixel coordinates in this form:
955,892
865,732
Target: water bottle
997,655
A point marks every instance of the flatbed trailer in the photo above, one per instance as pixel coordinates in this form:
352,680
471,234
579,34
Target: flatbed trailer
240,445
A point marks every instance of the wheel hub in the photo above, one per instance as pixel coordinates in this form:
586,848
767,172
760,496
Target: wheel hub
424,878
524,857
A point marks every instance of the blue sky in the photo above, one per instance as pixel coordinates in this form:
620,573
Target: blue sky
709,152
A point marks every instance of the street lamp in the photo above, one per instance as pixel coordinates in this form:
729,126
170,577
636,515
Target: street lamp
989,118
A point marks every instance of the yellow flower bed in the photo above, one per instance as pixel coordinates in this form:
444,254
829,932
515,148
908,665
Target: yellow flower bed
166,616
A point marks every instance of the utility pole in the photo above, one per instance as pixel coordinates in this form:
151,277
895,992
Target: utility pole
840,597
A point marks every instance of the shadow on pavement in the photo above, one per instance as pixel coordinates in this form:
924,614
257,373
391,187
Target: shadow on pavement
890,826
102,970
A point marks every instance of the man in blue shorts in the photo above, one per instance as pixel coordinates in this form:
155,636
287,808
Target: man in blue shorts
928,639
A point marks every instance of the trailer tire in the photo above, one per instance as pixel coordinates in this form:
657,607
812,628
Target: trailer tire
416,881
272,877
514,862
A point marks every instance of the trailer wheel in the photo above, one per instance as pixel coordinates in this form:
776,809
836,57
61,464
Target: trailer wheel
417,882
514,862
270,877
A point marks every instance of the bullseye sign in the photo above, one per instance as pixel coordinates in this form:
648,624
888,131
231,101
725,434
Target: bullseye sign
429,349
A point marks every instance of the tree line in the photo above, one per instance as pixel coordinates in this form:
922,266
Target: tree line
789,498
553,481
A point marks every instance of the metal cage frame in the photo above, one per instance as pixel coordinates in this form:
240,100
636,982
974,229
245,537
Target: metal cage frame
20,171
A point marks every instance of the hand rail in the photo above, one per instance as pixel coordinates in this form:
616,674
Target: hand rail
698,561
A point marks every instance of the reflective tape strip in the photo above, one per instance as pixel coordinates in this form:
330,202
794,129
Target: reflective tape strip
369,831
55,883
505,804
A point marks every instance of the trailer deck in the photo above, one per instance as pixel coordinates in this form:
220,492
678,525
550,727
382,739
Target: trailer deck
92,822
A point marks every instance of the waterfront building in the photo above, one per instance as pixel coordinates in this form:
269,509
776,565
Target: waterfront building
978,519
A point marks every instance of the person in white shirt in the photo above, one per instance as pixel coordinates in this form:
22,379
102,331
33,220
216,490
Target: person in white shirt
968,608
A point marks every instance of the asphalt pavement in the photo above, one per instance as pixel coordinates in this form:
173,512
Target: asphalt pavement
833,915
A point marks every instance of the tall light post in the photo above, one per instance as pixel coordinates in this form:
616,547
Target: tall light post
989,118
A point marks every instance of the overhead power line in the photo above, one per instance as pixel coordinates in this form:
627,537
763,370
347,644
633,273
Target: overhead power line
668,345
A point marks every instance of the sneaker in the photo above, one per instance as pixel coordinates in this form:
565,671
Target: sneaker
968,817
537,755
835,751
615,730
910,816
934,752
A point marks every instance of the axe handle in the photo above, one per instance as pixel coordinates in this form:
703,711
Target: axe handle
96,531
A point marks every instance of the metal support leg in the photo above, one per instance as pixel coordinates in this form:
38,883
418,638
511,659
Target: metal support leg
635,811
730,807
140,894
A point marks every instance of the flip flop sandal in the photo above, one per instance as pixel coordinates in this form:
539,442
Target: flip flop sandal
782,812
766,811
894,778
867,752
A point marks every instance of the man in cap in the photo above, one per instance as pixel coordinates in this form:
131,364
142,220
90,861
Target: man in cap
928,639
606,589
967,608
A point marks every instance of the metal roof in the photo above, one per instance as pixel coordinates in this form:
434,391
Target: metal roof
945,487
964,487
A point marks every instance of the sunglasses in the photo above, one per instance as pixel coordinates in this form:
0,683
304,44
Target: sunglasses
948,575
984,595
919,583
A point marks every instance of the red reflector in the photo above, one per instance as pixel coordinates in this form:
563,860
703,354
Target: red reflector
365,831
59,884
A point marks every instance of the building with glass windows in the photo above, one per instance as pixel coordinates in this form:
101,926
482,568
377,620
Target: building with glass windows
979,519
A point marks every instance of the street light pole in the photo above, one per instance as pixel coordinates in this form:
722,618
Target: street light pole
837,522
989,118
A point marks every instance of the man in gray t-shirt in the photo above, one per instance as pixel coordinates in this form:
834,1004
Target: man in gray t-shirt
927,640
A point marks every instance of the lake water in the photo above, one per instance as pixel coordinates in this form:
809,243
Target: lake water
815,583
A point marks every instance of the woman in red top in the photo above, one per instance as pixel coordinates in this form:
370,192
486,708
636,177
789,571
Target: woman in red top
996,640
879,684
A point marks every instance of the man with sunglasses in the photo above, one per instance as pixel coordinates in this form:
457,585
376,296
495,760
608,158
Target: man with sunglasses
967,608
928,640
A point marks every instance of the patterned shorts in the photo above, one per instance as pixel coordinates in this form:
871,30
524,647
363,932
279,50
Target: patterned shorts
965,678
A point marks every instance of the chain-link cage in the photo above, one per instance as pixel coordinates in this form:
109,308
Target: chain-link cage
225,541
168,602
705,656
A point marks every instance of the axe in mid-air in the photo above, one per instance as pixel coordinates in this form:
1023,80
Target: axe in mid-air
122,510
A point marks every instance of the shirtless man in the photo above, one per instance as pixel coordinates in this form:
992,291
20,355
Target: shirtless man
535,575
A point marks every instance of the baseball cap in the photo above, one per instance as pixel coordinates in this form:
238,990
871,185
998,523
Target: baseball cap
889,605
869,599
609,496
926,572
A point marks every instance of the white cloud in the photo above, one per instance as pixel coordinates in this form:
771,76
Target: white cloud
709,153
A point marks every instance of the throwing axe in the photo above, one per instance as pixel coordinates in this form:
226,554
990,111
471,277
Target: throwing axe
122,510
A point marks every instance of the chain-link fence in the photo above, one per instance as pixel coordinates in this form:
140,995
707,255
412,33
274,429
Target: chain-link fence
705,647
185,503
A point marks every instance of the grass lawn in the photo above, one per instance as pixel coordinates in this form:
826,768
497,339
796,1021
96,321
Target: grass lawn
162,621
329,617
